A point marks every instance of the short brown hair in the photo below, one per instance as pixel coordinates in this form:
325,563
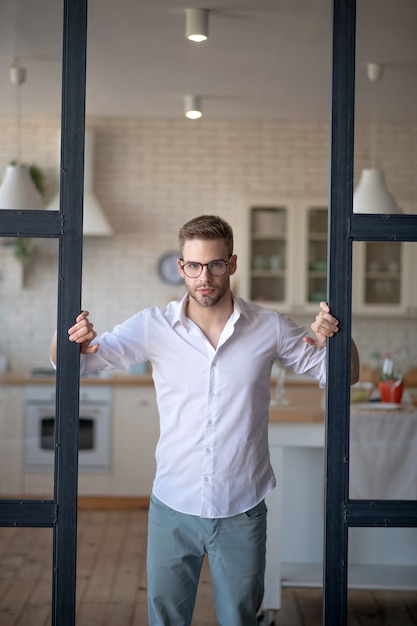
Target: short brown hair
207,227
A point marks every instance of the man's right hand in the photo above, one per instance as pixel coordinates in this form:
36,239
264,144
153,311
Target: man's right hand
83,333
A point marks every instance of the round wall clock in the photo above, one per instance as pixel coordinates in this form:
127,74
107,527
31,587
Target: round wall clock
168,268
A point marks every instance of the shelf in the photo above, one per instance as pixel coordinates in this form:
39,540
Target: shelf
268,237
268,254
392,577
317,273
268,274
317,237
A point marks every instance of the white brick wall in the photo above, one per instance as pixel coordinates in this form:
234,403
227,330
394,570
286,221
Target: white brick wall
152,175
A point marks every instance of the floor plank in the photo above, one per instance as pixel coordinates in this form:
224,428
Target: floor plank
111,581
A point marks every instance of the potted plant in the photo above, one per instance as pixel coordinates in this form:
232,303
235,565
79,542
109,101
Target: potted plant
391,383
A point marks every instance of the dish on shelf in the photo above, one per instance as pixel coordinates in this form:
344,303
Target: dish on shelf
318,296
318,266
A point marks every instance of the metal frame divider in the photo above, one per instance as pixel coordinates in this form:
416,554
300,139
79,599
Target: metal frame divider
344,228
61,512
66,225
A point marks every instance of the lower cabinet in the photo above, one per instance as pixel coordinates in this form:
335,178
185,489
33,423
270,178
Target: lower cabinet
11,440
133,437
135,434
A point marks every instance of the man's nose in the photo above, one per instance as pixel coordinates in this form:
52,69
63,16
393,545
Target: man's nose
205,271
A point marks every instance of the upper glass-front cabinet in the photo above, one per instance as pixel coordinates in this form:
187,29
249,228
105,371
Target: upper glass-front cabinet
382,274
383,265
316,254
268,254
285,263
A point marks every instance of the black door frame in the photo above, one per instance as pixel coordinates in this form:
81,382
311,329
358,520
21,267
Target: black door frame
341,513
344,228
65,225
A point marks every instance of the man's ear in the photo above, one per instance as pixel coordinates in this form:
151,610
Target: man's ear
233,265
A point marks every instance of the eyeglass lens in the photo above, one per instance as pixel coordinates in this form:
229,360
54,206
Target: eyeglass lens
215,268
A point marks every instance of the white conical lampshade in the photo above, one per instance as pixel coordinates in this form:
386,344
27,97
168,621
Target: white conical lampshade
18,190
372,195
95,223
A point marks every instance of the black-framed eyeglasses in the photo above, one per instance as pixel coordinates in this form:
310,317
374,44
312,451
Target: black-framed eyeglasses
215,268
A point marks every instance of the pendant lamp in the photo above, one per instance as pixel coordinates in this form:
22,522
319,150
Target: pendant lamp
18,190
95,223
372,194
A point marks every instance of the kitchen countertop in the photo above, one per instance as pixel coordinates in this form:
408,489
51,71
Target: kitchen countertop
116,379
304,396
306,405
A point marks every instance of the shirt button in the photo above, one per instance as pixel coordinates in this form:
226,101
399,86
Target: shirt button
208,450
209,422
206,479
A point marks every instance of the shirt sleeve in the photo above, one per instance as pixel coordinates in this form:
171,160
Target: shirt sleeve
296,354
120,348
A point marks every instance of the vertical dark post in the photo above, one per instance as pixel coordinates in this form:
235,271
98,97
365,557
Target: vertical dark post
69,304
340,295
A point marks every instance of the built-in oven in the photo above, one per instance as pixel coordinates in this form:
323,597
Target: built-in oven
94,448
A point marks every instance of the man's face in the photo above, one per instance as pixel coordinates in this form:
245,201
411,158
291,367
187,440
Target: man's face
207,290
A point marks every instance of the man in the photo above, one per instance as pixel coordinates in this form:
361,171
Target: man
211,357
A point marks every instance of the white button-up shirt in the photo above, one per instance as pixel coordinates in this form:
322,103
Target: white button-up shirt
212,455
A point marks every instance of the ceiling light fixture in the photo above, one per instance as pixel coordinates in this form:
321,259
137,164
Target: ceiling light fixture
18,190
196,24
95,223
372,194
193,108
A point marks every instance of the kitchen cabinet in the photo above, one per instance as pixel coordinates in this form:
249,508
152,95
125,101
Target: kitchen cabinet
135,434
384,278
285,260
378,557
11,440
269,265
316,268
285,263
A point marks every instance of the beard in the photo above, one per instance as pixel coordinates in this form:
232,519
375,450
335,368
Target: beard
216,293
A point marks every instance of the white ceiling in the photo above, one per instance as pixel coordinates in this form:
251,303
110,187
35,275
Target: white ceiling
263,58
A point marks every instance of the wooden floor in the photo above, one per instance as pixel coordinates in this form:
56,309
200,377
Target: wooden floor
111,581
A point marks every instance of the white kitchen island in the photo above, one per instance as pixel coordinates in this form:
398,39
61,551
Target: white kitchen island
384,558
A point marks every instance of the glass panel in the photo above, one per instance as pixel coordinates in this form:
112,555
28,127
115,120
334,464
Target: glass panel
383,267
28,318
382,558
317,254
25,575
268,254
381,606
383,444
385,113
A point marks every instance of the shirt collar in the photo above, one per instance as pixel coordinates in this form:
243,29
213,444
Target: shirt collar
179,316
178,311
